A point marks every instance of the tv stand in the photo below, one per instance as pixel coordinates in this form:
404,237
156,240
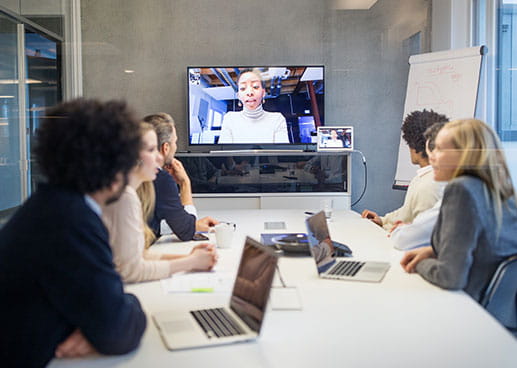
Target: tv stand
268,178
255,151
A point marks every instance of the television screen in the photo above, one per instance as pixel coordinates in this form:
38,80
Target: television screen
255,105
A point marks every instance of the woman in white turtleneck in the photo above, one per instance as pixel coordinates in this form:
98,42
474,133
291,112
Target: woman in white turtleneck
253,124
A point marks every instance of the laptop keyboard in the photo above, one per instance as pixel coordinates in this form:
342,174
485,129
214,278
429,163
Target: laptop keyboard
216,322
346,268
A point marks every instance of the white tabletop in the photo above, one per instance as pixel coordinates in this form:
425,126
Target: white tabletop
401,322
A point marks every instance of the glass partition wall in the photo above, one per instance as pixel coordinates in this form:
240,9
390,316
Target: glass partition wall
30,81
11,177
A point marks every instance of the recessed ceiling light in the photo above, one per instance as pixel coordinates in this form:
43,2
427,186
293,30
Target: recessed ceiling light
352,4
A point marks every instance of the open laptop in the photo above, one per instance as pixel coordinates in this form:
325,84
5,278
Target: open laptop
335,138
328,265
238,322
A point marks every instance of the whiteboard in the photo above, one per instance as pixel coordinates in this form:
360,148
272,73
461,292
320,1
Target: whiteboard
445,81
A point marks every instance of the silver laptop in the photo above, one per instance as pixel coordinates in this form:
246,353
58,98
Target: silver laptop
331,267
238,322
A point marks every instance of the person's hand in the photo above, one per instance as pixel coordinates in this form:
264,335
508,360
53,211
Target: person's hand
74,346
413,257
178,172
203,257
370,215
205,223
397,224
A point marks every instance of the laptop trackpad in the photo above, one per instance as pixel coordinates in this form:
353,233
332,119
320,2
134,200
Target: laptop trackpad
180,325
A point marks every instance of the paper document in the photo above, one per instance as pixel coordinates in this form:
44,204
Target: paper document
199,282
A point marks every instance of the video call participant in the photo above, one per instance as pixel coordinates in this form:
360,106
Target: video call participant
178,212
61,296
126,223
423,192
253,124
334,141
477,224
323,252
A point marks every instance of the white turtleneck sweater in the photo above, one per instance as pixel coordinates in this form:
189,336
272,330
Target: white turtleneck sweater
254,126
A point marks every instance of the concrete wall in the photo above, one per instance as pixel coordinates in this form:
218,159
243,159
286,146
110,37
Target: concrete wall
363,51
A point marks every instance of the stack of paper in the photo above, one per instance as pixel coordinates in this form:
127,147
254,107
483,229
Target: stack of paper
200,282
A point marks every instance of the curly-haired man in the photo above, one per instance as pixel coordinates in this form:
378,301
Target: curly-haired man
423,192
61,295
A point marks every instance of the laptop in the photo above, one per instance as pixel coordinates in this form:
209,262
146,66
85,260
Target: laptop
331,267
240,321
335,138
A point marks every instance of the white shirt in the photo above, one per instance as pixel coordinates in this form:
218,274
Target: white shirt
418,233
269,127
337,143
92,203
423,192
165,229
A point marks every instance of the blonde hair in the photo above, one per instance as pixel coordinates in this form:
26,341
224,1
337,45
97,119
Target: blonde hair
482,156
147,196
147,199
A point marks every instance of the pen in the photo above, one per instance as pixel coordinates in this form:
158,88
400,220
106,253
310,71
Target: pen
309,213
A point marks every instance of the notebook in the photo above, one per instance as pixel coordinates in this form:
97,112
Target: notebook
240,321
327,263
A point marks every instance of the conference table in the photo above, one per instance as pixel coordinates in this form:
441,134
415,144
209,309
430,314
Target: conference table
403,321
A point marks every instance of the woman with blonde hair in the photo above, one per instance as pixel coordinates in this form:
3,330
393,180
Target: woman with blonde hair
130,236
477,225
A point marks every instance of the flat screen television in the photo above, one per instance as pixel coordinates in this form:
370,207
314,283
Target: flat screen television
256,106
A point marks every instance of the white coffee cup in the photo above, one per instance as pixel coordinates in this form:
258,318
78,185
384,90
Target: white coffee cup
223,234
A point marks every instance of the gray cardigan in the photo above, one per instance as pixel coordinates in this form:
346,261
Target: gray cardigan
465,238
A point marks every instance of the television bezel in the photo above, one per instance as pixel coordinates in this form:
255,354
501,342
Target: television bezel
236,146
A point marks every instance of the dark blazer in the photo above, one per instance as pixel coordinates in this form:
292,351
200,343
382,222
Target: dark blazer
56,275
169,208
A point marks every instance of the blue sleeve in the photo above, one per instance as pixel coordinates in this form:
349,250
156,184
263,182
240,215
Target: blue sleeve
168,207
82,284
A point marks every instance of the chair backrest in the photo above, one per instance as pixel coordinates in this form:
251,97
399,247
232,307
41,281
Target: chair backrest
500,298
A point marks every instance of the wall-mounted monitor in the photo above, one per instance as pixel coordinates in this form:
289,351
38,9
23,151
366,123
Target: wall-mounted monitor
255,106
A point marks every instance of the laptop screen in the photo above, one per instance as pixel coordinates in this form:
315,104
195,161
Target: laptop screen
320,243
335,138
253,283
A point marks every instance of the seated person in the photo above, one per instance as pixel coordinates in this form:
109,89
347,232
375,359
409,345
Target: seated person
127,225
253,124
327,169
61,296
334,141
178,212
418,233
323,252
423,192
477,224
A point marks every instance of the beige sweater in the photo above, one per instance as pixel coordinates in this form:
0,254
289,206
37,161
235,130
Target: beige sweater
423,192
126,228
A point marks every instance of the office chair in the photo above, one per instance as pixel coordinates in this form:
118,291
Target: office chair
500,297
